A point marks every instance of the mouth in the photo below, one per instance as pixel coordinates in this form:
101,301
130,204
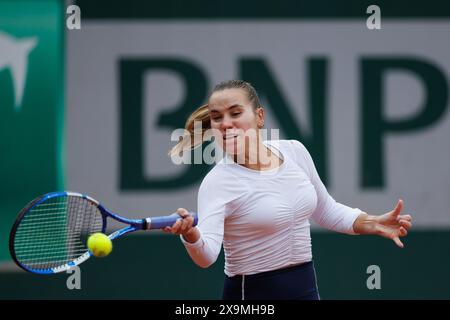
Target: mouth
229,137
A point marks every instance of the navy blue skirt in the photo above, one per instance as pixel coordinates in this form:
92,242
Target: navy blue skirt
296,282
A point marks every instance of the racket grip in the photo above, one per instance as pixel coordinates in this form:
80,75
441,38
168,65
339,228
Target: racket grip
167,221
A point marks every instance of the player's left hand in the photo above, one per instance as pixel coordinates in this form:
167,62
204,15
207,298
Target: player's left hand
390,225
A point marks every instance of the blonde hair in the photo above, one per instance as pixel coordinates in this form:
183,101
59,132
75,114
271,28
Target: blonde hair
193,138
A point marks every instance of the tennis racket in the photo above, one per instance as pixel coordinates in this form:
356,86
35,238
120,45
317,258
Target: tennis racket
50,234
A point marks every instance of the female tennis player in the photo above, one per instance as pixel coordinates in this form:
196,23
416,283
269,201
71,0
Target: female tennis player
257,202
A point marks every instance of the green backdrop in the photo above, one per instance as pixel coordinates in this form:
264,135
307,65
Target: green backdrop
158,267
31,134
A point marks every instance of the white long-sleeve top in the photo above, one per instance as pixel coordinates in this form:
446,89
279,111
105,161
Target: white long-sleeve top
261,217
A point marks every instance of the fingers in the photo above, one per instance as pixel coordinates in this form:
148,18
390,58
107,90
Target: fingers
398,207
183,224
176,226
398,242
402,232
186,224
405,224
394,234
183,212
406,217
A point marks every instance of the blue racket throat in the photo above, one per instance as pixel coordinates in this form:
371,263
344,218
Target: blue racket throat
50,234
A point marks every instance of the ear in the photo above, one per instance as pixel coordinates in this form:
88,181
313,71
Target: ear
260,117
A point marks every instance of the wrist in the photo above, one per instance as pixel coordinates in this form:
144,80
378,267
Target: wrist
365,224
191,236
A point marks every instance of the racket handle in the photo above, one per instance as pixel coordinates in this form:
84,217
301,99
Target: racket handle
166,221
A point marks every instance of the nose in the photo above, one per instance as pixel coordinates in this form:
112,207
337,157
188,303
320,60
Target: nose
226,123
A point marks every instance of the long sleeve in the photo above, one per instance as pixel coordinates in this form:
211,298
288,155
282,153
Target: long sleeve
329,214
211,216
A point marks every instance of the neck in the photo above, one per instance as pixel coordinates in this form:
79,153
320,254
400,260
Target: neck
258,158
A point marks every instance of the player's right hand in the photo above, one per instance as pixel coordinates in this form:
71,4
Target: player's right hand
183,225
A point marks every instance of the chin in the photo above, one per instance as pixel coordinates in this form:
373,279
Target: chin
232,150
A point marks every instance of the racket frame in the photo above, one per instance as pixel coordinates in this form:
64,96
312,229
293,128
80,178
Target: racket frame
133,225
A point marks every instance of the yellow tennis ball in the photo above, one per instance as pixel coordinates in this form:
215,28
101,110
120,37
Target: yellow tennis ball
99,244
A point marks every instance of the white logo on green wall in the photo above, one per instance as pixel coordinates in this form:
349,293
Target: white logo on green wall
14,56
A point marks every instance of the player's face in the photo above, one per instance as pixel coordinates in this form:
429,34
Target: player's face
235,120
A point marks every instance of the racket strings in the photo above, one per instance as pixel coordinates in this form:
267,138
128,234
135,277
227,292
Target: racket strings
55,232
